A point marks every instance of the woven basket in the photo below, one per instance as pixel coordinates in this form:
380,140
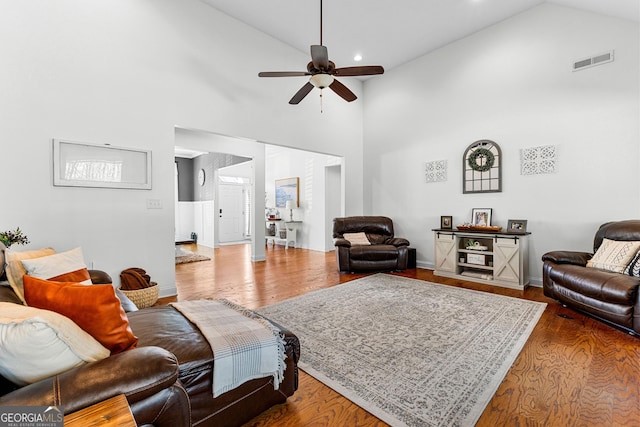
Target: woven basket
143,298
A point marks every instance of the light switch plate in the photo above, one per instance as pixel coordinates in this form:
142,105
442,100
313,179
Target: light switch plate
154,204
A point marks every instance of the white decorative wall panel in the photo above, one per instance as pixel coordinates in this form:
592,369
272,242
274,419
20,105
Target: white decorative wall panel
436,171
538,160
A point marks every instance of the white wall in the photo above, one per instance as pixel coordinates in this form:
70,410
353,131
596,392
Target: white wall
127,72
185,221
196,217
511,83
242,170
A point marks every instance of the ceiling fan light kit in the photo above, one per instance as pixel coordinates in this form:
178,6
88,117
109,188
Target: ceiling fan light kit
321,81
322,72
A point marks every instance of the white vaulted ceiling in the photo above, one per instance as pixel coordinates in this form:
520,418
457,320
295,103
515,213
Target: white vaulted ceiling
390,32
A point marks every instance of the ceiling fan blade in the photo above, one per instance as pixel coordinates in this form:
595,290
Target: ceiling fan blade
342,91
283,74
319,57
366,70
299,96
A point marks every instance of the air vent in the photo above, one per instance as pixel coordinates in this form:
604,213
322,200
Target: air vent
593,61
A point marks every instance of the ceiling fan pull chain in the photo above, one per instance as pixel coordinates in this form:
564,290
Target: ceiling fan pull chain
321,108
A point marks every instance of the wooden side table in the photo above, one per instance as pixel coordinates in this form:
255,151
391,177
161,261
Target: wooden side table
114,412
290,229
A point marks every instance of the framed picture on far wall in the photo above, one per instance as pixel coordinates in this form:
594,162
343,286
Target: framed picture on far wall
287,189
446,222
517,226
481,217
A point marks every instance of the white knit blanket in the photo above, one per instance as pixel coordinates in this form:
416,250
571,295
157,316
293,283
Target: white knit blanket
245,346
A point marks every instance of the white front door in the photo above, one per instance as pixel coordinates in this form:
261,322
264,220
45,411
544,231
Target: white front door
230,212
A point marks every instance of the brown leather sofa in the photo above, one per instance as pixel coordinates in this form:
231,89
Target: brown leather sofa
384,253
608,296
167,379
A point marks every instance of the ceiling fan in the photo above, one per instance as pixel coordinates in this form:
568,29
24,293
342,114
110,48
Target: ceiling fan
322,72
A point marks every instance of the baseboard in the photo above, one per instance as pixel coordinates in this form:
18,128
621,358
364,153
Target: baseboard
426,265
533,281
168,292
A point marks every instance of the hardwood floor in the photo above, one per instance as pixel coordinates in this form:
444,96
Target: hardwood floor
573,371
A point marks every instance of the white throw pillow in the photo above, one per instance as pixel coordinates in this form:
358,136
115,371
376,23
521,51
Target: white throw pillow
357,238
614,255
15,269
37,344
66,266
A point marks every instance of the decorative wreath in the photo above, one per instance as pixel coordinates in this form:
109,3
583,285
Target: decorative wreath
481,152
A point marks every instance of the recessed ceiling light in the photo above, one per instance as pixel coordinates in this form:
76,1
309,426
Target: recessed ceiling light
357,58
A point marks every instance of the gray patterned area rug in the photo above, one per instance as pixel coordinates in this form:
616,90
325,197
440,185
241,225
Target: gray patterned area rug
411,352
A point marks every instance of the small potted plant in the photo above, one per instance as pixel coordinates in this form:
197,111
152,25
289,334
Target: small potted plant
8,238
16,237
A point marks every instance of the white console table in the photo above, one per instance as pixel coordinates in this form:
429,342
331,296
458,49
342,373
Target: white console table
496,259
291,233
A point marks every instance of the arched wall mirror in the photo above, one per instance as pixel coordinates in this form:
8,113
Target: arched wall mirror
482,168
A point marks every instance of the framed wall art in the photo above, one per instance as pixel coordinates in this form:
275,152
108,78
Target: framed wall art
446,222
287,189
84,164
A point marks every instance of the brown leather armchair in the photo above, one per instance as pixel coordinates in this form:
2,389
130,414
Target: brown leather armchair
384,251
608,296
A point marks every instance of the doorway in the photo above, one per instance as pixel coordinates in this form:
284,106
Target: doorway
234,203
230,212
333,201
269,163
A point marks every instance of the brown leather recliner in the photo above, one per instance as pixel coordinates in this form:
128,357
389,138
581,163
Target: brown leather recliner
384,253
608,296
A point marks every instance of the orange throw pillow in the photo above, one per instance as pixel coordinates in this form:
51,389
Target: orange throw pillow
96,309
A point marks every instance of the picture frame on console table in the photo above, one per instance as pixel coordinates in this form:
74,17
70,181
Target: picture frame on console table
446,222
481,217
517,226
